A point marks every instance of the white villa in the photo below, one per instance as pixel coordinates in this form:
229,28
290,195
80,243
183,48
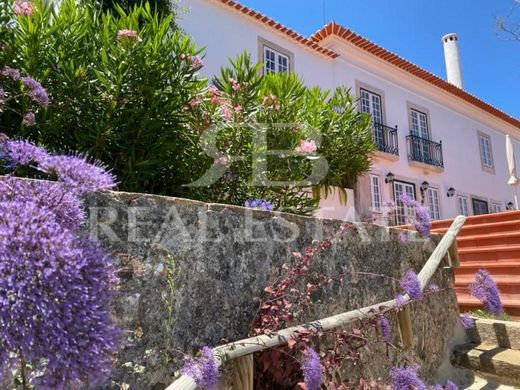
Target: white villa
436,142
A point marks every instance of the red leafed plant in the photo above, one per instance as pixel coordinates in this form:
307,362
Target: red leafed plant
287,302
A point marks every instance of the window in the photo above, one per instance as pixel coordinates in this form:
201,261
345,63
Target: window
486,154
462,205
479,206
432,196
274,61
375,189
420,124
371,104
495,207
404,214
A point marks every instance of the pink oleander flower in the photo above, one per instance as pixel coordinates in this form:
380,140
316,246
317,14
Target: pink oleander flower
194,102
227,113
24,8
222,160
238,109
196,62
234,84
127,34
306,146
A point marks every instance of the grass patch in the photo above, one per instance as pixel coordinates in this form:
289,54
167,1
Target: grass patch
479,313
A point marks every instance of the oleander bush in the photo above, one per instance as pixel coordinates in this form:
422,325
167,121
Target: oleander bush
118,83
301,126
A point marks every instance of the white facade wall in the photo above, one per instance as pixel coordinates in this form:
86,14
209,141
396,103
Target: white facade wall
225,33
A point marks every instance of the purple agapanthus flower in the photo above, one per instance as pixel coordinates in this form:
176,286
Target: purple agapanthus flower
51,196
10,72
411,285
36,91
485,290
55,296
78,173
259,204
312,370
385,327
422,221
404,238
466,321
21,152
451,386
203,370
408,200
406,378
400,301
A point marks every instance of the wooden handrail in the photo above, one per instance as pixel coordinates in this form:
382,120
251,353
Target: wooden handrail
251,345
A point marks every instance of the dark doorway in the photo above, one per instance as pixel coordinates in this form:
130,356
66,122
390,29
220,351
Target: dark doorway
480,206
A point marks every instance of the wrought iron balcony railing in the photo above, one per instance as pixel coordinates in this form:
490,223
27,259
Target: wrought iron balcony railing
385,138
425,151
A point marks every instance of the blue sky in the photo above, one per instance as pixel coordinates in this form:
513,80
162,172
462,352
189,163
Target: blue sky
413,29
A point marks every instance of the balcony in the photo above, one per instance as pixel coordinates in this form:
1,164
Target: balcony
425,151
385,138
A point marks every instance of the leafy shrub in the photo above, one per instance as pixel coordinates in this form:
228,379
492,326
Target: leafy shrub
296,119
118,84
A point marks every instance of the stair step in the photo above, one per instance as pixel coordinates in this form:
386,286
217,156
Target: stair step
486,253
480,219
508,285
505,334
495,227
491,239
489,358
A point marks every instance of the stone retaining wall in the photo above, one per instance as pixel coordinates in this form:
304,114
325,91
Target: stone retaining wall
193,274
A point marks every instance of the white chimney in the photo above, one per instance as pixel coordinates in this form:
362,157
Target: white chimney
452,58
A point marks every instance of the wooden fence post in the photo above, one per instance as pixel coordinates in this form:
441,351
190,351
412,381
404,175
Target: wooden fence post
243,373
405,327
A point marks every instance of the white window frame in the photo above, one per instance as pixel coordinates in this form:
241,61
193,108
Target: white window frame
420,123
375,192
371,103
495,207
434,202
404,214
279,58
460,207
486,150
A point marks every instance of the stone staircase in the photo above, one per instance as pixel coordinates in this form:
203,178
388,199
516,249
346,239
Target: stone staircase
490,241
493,351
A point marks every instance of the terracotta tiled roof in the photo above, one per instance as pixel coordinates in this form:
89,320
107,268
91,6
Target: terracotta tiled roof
280,27
372,48
380,52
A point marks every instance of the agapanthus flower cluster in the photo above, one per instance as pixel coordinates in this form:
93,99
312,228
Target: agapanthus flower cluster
29,119
411,285
385,327
259,204
203,370
466,321
422,221
36,91
12,73
312,370
56,287
486,290
75,171
406,378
